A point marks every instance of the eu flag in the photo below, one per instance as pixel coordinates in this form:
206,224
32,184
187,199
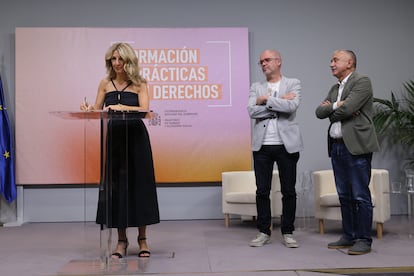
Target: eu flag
7,180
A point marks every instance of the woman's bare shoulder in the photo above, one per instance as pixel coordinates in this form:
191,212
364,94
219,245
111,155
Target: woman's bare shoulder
143,87
105,85
104,81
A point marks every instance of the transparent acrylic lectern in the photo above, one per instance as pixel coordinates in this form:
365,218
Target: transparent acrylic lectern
114,125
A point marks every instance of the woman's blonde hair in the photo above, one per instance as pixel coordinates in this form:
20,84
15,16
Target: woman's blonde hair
130,59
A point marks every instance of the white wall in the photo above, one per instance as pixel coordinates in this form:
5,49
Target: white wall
305,31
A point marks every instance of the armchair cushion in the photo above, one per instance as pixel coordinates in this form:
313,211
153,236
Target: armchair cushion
329,200
240,197
332,200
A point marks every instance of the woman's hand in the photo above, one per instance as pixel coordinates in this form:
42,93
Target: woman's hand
116,107
85,107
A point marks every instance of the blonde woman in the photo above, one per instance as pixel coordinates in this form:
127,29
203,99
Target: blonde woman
128,196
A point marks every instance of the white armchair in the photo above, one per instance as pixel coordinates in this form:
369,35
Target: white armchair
239,194
327,202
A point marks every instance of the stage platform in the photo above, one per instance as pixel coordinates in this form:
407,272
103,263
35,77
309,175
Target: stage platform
201,248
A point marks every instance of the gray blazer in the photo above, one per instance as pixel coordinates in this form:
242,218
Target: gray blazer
285,110
355,114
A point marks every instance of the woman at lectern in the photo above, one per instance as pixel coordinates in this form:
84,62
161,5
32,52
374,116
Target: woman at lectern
127,196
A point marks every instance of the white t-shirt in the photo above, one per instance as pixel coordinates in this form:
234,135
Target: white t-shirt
272,136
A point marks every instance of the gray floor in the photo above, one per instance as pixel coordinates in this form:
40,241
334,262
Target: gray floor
200,247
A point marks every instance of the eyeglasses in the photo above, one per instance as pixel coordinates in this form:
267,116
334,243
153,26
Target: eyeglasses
267,60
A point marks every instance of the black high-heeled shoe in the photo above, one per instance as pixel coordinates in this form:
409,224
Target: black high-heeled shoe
143,253
120,255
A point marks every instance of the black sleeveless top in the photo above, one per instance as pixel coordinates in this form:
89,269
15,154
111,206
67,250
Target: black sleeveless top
121,96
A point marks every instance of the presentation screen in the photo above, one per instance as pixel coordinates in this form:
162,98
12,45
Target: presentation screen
198,81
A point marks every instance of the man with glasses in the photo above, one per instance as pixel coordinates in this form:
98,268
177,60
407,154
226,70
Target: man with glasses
275,138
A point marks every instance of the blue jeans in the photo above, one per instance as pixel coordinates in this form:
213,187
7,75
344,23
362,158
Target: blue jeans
352,177
264,160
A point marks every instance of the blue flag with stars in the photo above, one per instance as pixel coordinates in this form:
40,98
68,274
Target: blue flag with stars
7,180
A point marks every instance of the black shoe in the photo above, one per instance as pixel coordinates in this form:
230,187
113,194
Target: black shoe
341,243
120,254
359,248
